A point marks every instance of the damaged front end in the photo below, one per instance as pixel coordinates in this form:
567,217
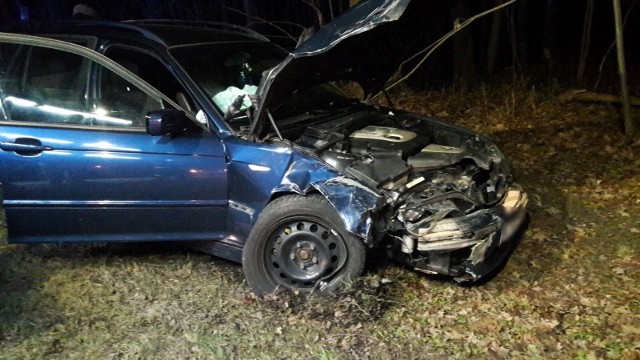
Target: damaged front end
450,205
452,235
441,197
458,211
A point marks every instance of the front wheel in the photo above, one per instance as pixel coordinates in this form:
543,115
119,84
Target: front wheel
299,242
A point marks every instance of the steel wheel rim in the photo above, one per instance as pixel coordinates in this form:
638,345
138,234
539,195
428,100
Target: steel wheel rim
302,252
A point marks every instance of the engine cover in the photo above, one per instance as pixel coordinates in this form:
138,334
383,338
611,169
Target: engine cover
384,133
382,139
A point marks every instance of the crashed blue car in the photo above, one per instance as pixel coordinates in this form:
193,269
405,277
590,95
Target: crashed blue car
211,135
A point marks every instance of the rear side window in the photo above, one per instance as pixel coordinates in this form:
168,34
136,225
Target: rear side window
56,78
42,85
45,77
7,54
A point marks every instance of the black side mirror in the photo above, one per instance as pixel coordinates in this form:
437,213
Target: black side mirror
167,121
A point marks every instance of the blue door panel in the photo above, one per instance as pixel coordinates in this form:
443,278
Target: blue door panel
116,184
76,224
89,171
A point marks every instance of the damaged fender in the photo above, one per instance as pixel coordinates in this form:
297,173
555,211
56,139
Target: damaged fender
353,201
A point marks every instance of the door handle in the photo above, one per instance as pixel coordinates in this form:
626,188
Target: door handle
25,146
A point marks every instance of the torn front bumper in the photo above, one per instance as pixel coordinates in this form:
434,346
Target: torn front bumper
484,237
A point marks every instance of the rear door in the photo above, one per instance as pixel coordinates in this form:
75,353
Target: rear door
79,167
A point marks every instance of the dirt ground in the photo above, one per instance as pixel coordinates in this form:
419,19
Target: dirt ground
569,291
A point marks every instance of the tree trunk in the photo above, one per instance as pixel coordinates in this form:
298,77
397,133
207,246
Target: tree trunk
463,59
522,24
629,126
586,40
549,29
494,37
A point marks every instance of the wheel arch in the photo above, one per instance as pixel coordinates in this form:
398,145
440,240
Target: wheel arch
282,193
300,242
354,203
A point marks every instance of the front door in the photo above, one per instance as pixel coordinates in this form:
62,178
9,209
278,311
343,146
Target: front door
77,168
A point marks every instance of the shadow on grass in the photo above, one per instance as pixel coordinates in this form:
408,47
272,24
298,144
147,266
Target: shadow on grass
518,236
368,298
30,276
24,310
19,283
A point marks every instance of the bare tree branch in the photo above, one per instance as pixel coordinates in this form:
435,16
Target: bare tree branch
271,23
278,22
331,10
457,26
314,6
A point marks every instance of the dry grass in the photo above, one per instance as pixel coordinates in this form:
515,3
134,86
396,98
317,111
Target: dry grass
569,291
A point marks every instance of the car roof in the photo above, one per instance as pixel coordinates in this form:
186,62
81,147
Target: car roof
163,33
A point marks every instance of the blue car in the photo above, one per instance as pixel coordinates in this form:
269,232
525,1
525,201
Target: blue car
211,135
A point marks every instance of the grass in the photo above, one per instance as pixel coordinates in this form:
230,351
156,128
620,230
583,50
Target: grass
569,290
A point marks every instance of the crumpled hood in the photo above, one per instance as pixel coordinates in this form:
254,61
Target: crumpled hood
365,44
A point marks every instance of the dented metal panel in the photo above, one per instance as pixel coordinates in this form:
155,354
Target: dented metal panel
284,170
354,201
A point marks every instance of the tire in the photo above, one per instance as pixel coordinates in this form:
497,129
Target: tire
300,243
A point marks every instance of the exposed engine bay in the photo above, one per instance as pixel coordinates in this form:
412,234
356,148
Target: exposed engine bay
449,194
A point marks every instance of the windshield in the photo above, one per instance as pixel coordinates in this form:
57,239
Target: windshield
226,71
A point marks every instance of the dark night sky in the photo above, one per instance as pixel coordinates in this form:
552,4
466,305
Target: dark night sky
552,24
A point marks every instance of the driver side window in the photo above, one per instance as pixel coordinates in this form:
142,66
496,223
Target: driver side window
121,99
50,86
151,70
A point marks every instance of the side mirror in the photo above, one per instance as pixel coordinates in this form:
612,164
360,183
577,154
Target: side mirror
167,121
